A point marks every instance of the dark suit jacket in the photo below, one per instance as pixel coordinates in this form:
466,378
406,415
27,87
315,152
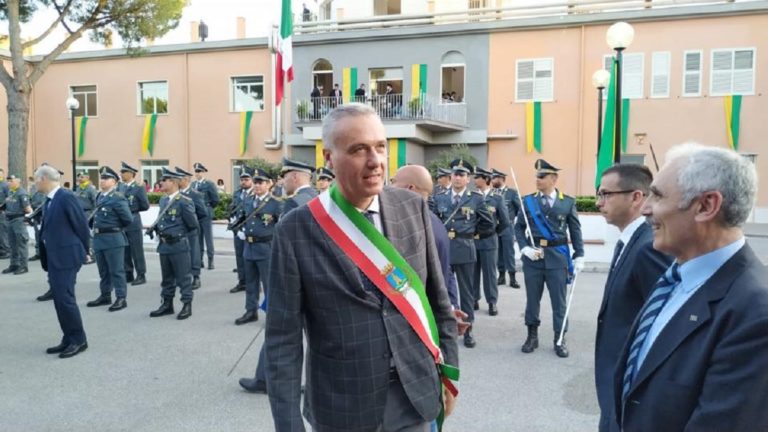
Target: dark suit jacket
708,368
64,233
626,289
352,335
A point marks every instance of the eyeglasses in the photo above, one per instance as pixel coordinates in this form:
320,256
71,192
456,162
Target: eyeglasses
601,195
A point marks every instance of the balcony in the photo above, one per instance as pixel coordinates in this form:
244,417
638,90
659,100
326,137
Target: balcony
425,111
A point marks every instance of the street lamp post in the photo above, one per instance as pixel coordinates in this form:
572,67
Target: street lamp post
600,80
72,105
618,37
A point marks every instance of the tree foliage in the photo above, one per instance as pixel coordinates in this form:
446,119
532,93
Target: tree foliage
445,157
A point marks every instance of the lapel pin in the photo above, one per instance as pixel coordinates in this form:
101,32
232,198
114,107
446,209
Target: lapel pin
693,318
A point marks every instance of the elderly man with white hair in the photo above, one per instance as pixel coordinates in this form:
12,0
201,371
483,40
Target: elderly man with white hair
697,355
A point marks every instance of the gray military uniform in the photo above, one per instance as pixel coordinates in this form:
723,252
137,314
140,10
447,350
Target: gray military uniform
134,252
86,196
177,219
201,212
5,249
506,256
111,217
211,198
262,215
487,246
15,204
236,213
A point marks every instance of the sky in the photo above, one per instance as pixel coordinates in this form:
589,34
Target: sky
219,15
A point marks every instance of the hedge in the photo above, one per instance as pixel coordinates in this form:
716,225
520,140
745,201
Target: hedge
586,204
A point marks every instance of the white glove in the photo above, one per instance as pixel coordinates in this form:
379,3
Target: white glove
578,264
241,235
531,253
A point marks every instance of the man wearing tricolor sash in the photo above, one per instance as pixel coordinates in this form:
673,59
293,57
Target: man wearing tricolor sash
357,269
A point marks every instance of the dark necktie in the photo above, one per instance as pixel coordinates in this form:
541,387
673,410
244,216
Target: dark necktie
47,204
368,285
256,202
545,203
650,311
456,199
616,253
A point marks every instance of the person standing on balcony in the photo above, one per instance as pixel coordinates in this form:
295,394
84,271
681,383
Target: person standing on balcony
360,94
317,100
336,98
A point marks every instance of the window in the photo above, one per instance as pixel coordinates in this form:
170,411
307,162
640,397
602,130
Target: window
631,74
692,73
535,80
247,93
733,72
380,78
91,167
452,79
153,97
86,95
660,74
322,76
386,7
152,171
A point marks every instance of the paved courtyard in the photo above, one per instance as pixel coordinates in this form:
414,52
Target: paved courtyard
142,374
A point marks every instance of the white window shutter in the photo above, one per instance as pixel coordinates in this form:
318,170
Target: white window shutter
660,75
692,73
525,80
632,76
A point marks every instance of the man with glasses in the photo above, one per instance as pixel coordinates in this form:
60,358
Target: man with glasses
543,240
635,268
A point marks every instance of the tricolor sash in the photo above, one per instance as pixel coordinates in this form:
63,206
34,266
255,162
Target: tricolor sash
378,259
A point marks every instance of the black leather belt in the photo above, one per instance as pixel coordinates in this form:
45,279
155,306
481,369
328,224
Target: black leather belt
252,239
106,230
542,242
169,239
462,236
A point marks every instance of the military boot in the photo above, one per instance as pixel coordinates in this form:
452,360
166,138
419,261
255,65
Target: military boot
502,279
513,281
561,350
165,309
186,311
532,342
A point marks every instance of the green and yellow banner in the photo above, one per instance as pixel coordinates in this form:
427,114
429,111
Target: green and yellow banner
605,154
732,119
148,137
396,155
348,84
319,159
245,127
533,126
418,80
80,123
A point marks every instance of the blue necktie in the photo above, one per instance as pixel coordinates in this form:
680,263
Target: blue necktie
653,306
616,253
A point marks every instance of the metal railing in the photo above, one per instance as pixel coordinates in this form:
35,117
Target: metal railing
394,106
564,8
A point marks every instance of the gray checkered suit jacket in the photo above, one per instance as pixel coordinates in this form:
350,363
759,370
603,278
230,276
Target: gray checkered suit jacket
351,335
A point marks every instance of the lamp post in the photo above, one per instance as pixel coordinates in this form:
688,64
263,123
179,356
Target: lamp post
618,37
600,80
72,105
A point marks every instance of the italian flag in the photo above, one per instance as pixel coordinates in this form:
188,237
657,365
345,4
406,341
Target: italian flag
284,64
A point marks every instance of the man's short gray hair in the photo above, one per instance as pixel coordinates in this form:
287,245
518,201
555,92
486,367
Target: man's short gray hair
48,172
706,168
339,113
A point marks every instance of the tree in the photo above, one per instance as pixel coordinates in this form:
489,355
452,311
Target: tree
445,157
132,20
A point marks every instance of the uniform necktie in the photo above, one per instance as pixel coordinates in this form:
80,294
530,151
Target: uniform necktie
545,203
650,311
616,254
368,285
456,199
256,202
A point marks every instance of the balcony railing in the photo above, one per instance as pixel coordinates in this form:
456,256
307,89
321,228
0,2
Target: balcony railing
389,107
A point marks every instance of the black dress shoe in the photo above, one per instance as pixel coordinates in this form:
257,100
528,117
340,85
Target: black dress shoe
237,288
73,350
120,303
476,306
100,301
253,385
21,270
45,297
248,316
492,310
513,281
165,309
57,349
10,269
34,257
140,280
561,350
129,277
196,282
186,311
469,340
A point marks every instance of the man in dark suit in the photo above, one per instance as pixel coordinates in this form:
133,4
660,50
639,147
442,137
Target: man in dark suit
64,234
635,268
336,96
697,354
367,369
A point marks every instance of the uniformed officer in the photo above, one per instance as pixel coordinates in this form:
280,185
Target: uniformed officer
195,256
507,237
262,213
211,198
236,214
86,194
464,215
5,249
16,206
174,222
443,181
278,190
487,245
297,176
112,216
36,200
138,202
323,179
546,256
